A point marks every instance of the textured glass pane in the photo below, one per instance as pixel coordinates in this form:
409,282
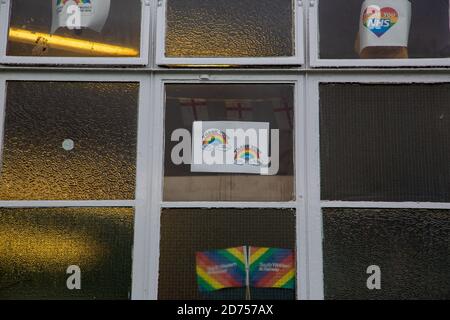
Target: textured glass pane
269,103
69,141
187,231
410,246
429,34
31,32
385,142
230,28
38,245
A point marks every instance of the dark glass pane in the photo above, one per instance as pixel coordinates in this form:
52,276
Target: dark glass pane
429,34
411,247
187,231
38,245
230,28
31,33
69,141
269,103
385,142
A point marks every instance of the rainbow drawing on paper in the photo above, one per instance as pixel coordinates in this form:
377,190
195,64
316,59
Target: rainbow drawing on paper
247,154
272,268
78,2
214,138
219,269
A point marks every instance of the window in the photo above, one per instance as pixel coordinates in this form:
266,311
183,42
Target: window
70,195
385,142
241,104
383,198
112,31
153,142
87,131
409,245
223,32
184,232
208,208
39,244
380,33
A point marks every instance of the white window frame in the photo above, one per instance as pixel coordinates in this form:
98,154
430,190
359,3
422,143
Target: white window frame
158,133
315,204
5,7
141,202
297,59
316,62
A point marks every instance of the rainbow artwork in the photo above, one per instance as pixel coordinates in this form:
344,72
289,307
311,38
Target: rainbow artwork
272,268
214,138
219,269
247,154
78,2
379,20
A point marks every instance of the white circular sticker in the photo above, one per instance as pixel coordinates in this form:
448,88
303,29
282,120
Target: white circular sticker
68,144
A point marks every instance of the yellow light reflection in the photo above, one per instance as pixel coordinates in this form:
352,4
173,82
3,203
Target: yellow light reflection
73,45
203,65
33,249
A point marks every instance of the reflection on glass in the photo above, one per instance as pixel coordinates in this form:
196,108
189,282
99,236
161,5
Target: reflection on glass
41,28
184,232
268,103
37,246
411,247
69,141
339,25
224,28
385,142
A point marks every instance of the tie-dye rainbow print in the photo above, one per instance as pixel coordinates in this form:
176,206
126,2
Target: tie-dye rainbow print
272,268
221,269
247,154
214,138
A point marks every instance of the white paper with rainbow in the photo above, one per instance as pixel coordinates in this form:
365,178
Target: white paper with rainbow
384,23
93,13
237,153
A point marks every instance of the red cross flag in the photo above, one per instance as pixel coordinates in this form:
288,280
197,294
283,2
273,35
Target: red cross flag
193,109
284,114
239,110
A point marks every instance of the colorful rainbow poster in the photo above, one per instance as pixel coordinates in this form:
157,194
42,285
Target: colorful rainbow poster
77,14
220,269
272,268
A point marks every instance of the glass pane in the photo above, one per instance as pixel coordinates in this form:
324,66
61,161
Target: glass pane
229,28
385,142
38,245
106,28
410,246
391,29
269,104
69,141
186,232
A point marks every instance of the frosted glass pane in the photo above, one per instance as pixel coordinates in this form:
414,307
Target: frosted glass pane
230,28
187,231
31,33
429,34
69,141
268,103
385,142
38,245
410,246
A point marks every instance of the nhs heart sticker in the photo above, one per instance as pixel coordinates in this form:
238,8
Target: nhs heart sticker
379,20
